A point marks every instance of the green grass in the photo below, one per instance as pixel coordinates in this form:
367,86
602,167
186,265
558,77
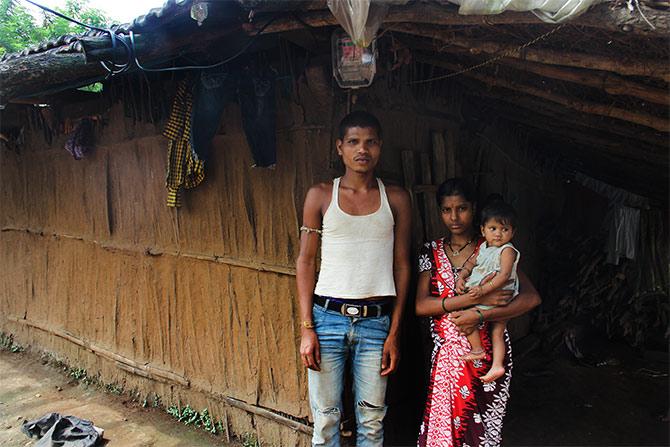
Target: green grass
201,419
250,440
7,343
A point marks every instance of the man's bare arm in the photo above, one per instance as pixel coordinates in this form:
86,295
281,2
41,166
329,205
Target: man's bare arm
306,276
401,206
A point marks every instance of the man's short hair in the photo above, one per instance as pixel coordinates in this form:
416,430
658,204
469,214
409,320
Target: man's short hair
359,118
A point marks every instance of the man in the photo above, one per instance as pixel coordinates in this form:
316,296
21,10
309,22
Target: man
355,308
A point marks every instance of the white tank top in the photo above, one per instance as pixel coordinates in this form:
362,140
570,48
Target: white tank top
356,251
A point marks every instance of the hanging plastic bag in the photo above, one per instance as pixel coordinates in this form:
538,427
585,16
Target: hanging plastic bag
361,19
551,11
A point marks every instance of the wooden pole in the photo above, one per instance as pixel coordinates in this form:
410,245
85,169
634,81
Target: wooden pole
658,123
236,262
587,123
609,82
127,364
161,375
606,17
267,414
520,110
32,74
450,139
55,70
439,157
634,67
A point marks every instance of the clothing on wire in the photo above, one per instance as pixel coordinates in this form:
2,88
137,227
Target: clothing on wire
185,169
624,233
623,220
80,141
253,85
614,194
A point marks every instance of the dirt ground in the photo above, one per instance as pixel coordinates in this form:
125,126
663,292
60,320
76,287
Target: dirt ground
554,401
558,401
29,389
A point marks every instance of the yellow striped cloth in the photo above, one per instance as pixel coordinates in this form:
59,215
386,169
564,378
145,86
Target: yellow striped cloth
184,168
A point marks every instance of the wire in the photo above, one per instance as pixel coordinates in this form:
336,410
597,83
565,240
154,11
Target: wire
200,67
63,16
493,59
113,68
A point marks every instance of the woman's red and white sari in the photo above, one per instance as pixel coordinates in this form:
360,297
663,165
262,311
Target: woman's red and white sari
461,410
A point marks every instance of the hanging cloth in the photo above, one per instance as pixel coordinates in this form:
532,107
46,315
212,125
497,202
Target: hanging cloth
623,219
184,168
624,232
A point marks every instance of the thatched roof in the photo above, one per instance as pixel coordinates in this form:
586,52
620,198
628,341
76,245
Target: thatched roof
599,81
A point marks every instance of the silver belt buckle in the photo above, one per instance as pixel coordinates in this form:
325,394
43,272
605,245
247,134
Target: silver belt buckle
351,310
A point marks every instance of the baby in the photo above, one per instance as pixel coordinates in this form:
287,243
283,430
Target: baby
498,255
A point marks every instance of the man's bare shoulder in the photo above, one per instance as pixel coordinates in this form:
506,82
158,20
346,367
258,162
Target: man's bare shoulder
319,194
322,187
318,190
397,194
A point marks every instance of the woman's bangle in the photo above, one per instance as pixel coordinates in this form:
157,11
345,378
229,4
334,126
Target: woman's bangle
444,308
481,316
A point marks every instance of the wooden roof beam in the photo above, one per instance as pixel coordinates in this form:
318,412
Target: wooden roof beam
606,17
610,83
637,67
588,122
658,123
628,149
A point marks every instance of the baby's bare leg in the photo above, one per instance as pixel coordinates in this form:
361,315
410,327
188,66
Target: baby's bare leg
476,349
498,341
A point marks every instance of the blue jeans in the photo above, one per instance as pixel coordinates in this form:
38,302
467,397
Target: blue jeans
254,87
361,340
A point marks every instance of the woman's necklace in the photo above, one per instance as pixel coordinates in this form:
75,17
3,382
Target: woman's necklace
457,252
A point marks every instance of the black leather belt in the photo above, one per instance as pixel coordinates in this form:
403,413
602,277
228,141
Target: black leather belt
354,310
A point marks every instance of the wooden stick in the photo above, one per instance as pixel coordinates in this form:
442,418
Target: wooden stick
145,369
409,174
584,106
439,157
601,17
583,122
635,67
161,375
426,175
249,264
260,411
606,145
54,70
609,82
408,168
450,149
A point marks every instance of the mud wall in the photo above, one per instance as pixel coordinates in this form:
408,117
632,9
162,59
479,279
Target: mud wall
198,305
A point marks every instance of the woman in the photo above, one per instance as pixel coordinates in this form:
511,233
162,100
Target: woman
461,410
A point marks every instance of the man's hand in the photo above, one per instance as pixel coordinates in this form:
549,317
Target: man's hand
310,351
466,321
390,355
